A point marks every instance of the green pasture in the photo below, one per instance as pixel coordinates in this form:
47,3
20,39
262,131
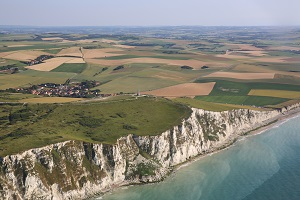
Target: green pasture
71,67
37,125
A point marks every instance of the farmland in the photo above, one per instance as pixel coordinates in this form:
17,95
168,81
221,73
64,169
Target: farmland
243,76
217,107
49,100
70,67
243,100
276,93
183,90
230,69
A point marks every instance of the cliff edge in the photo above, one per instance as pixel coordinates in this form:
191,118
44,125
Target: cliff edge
77,170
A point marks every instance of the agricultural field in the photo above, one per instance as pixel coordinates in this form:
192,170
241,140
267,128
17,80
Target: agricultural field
250,93
151,63
71,52
183,90
217,107
243,76
70,67
229,69
276,93
243,100
50,100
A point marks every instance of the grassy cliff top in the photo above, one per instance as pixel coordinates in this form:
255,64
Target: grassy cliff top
35,125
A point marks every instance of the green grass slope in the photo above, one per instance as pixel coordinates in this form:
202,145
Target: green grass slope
37,125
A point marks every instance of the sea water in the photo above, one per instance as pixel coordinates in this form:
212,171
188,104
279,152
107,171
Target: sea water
260,167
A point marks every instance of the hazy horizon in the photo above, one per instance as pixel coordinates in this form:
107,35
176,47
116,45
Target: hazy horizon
154,13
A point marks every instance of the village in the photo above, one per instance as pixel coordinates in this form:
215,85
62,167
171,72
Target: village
74,90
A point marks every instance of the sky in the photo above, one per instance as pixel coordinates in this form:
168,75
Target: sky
150,12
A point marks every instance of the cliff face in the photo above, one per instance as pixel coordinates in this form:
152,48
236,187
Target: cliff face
76,170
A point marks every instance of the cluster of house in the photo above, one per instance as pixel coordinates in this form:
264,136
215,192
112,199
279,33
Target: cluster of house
76,90
39,60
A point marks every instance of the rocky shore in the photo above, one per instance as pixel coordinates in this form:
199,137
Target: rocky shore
78,170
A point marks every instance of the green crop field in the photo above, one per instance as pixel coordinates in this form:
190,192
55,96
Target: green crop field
52,51
243,100
217,107
231,88
131,84
15,97
31,77
36,125
71,67
237,92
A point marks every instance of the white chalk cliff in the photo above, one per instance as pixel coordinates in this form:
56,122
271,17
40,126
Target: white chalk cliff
77,170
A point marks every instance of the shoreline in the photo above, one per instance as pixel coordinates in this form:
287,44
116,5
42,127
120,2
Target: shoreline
265,126
269,124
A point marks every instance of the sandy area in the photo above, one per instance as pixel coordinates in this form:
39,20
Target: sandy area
182,90
50,64
244,76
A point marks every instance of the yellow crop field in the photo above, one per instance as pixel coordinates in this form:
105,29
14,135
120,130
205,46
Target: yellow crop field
183,90
76,60
276,93
72,51
100,53
23,55
50,64
124,46
52,38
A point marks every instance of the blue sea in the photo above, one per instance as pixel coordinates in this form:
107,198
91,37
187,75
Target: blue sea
260,167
